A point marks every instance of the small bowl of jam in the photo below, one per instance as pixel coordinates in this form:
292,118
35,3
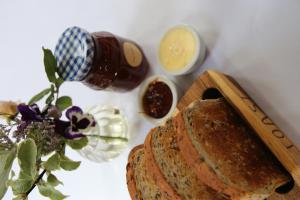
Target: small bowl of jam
158,98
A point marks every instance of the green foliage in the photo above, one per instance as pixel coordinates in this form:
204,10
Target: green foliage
50,65
51,179
50,98
6,160
26,154
78,144
53,163
12,174
20,186
39,96
48,190
51,68
20,197
51,71
63,102
59,81
30,150
68,164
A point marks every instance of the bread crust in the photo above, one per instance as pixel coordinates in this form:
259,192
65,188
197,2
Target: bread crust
219,148
231,149
174,173
154,171
130,174
197,163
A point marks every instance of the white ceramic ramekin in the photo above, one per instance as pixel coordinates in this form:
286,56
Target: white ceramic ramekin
198,57
142,91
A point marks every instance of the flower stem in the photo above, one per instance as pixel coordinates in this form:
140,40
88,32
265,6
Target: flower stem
109,138
36,182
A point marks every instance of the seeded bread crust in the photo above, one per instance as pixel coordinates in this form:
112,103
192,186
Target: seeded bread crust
230,149
141,186
130,174
197,163
155,172
174,174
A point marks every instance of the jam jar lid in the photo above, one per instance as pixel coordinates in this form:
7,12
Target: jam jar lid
74,53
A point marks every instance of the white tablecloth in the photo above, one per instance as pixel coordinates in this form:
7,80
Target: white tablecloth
257,42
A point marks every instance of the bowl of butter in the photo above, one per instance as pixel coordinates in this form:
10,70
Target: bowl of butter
181,50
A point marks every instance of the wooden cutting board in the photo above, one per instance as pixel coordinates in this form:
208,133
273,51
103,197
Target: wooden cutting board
212,83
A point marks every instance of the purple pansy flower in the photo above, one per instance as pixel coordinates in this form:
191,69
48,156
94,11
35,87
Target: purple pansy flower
79,123
30,113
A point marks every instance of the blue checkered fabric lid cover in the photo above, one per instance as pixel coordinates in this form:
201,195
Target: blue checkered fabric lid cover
74,53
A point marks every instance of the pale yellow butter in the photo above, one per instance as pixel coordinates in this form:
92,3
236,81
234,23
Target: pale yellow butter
177,49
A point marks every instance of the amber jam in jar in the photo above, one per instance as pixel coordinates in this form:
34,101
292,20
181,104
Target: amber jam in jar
100,60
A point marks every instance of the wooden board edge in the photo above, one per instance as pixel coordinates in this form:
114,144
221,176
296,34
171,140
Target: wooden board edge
286,152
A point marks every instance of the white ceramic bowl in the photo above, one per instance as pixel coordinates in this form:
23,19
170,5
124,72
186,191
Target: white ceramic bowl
142,91
197,59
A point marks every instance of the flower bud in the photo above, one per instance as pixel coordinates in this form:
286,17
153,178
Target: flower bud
54,112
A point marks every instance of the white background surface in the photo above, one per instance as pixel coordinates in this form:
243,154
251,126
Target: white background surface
257,42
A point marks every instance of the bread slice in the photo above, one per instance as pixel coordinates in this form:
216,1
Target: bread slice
237,161
197,163
141,186
172,174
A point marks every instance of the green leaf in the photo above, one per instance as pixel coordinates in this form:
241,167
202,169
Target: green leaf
78,143
6,160
49,191
12,174
52,180
39,96
68,164
20,197
20,186
53,163
50,98
63,102
50,65
27,152
59,81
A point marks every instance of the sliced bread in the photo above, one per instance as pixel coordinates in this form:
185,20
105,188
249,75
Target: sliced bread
237,161
172,174
141,186
197,163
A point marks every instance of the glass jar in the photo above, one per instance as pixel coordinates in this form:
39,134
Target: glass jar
100,60
112,125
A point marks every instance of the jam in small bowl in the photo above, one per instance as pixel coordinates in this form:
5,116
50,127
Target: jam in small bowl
157,99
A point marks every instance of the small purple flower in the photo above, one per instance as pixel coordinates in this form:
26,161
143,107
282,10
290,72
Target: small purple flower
79,123
30,113
73,110
71,135
63,127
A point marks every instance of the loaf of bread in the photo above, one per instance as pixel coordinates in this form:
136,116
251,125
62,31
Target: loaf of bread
141,186
226,153
206,152
172,174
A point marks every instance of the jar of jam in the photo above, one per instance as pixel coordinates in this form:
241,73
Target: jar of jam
100,60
